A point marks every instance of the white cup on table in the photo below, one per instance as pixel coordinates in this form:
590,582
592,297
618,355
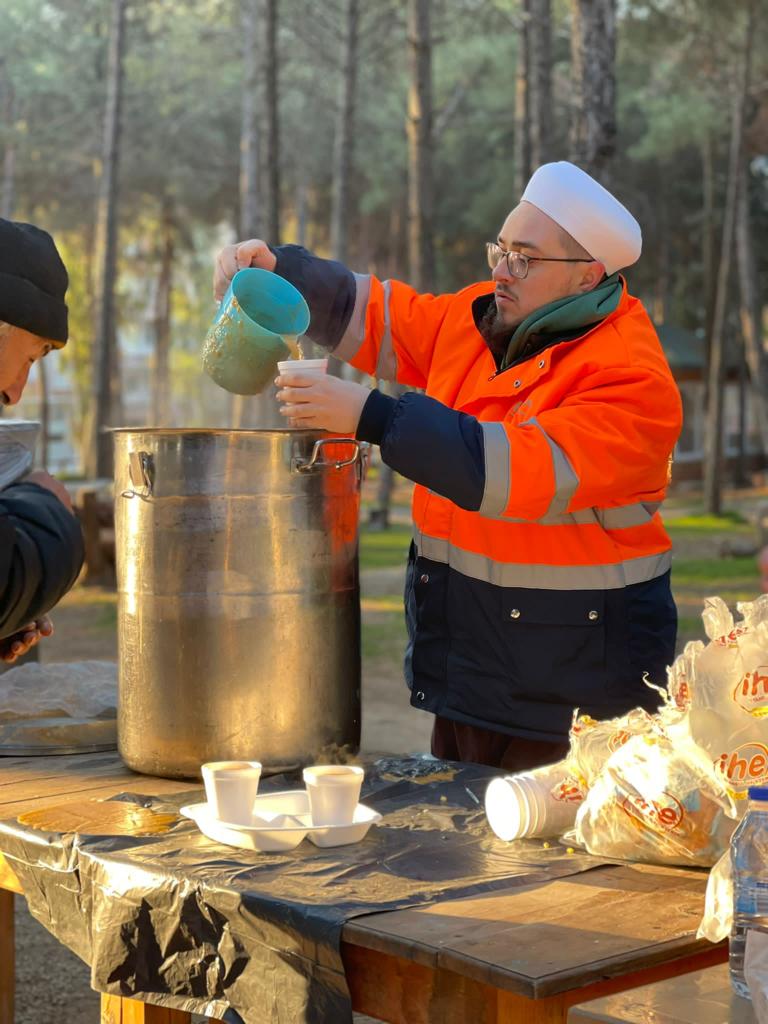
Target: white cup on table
231,788
334,792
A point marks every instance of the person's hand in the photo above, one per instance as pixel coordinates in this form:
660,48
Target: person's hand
50,483
15,646
253,253
320,402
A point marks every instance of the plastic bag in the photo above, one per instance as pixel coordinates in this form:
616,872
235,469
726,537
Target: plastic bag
79,689
658,800
682,675
718,902
593,742
728,709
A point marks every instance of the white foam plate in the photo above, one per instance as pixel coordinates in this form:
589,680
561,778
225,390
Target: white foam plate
296,802
279,822
344,835
283,832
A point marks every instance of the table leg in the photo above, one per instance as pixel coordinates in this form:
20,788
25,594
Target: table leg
117,1010
7,957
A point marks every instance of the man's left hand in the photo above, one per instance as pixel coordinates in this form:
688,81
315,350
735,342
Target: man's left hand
16,646
320,402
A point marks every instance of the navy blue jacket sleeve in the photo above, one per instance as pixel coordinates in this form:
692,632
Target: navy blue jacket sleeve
428,443
41,554
328,287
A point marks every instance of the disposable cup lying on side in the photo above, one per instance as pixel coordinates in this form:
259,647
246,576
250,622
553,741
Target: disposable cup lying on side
542,802
509,810
231,788
334,792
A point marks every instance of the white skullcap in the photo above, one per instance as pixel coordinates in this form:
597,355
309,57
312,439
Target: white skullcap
588,212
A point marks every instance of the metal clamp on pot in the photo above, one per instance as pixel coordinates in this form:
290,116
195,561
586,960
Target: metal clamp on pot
141,470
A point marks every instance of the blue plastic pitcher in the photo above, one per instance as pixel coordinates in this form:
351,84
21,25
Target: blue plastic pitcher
245,341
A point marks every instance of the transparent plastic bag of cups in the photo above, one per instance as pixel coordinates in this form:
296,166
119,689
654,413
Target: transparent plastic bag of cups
593,741
724,689
659,800
542,802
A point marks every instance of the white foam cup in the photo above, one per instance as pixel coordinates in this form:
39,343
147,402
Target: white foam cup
334,792
231,788
554,815
510,812
314,367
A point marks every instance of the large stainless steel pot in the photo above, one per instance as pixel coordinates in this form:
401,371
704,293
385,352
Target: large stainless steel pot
239,601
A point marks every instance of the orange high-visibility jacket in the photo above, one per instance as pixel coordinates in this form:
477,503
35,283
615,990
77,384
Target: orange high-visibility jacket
539,575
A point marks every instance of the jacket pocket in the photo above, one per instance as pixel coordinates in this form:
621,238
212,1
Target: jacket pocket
555,646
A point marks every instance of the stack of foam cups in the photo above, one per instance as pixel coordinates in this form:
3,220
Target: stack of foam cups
542,802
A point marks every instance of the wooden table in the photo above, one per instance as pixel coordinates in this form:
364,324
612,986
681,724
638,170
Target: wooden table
522,955
701,997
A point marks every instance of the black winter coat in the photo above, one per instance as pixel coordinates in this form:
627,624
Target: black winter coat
41,554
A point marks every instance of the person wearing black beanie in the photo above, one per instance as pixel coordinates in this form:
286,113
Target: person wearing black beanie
41,544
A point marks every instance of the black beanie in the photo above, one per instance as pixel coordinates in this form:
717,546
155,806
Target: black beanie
33,281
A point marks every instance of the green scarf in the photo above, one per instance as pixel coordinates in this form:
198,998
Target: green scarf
563,320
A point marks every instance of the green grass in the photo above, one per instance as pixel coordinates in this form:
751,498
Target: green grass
384,549
385,638
728,522
713,572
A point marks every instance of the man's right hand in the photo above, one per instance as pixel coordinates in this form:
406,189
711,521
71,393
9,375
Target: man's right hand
253,253
50,483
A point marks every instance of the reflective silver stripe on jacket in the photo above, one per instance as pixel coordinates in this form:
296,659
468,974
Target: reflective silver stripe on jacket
498,469
498,488
386,365
498,474
619,518
543,577
353,337
566,480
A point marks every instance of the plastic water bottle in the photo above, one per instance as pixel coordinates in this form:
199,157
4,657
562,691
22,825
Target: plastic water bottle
749,860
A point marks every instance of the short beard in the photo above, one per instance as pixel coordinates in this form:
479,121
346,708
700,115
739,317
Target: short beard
495,332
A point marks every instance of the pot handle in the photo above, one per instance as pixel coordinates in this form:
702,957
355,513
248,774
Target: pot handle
141,470
302,465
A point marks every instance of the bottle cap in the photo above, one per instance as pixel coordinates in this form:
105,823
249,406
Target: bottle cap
758,793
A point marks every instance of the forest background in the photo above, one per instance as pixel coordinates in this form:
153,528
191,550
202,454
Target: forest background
395,136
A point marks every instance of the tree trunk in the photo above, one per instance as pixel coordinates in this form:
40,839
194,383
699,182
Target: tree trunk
99,456
522,139
302,207
750,308
7,120
419,130
344,134
161,319
593,58
250,225
663,259
708,229
540,52
713,435
271,133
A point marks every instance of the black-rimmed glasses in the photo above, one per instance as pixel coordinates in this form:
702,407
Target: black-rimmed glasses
517,262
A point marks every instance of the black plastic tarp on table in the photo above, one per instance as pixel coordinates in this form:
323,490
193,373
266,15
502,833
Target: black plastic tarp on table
254,938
